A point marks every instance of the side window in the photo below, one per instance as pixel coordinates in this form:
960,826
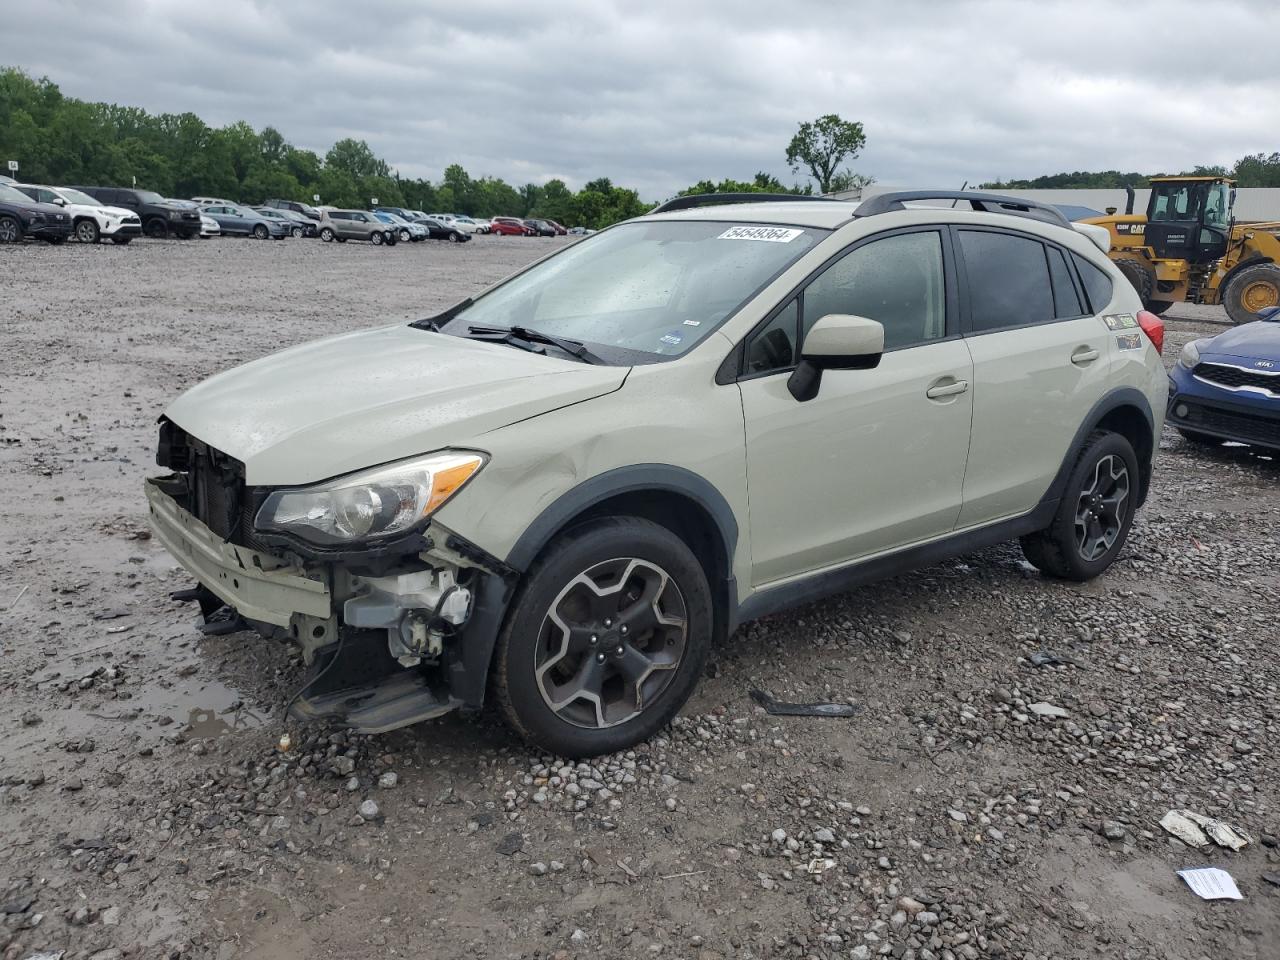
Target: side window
1008,280
897,281
1097,284
774,347
1066,300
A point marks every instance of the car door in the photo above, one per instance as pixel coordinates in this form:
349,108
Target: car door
876,460
1040,362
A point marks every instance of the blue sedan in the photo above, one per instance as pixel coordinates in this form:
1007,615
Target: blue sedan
1228,387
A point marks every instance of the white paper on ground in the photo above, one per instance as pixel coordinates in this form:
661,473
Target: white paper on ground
1210,883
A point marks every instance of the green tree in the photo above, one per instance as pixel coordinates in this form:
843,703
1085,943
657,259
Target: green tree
822,146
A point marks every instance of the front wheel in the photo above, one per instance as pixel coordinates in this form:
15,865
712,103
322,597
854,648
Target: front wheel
1095,514
605,639
157,229
260,231
10,230
405,236
296,232
87,231
326,235
376,239
455,236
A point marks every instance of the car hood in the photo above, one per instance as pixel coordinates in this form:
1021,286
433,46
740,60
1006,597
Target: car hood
361,399
1259,340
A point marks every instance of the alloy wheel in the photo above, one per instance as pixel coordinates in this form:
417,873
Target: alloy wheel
87,231
611,642
1101,508
9,230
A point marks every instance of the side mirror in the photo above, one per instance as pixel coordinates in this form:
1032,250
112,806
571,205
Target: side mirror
59,202
838,341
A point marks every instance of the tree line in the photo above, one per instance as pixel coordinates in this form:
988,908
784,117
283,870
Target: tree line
1255,170
63,140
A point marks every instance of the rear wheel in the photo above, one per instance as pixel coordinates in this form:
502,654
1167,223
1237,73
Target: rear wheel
1251,290
87,231
1140,274
605,640
1095,514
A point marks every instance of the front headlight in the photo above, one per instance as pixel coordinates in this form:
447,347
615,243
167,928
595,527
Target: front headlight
1190,355
175,214
376,503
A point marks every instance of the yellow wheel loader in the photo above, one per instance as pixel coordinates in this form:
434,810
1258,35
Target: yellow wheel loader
1190,248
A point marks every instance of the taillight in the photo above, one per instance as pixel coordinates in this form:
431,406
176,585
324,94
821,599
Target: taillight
1153,327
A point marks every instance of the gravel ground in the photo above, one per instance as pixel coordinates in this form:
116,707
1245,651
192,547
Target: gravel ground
145,811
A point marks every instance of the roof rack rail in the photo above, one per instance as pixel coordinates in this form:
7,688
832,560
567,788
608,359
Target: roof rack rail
711,199
983,202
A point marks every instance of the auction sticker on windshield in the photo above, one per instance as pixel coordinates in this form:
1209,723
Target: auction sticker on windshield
772,234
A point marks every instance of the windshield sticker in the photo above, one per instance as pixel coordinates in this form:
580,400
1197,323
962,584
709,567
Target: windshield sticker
693,323
1120,321
1129,341
772,234
671,339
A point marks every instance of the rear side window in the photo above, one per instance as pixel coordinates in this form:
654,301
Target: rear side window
1097,284
1009,282
1066,300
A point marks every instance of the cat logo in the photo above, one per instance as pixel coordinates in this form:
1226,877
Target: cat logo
1133,229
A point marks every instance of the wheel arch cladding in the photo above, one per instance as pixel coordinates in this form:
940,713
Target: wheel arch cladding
686,504
1127,412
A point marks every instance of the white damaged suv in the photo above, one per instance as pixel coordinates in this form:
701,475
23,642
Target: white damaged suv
91,221
565,489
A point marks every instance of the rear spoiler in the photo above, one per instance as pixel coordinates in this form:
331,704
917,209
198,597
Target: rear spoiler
1100,236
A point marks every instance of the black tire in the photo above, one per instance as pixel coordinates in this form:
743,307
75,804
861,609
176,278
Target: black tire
10,230
296,232
1199,439
1251,290
1057,550
121,241
260,231
326,235
156,229
389,238
87,230
528,634
1158,307
376,239
405,236
455,236
1140,273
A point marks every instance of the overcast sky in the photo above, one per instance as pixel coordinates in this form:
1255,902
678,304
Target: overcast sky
660,94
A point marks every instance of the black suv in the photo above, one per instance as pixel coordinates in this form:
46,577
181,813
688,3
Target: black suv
295,206
160,217
20,216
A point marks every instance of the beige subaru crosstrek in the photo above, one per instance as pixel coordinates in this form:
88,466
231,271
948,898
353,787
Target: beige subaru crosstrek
566,488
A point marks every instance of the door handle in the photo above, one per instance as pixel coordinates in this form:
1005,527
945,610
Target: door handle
1084,355
947,389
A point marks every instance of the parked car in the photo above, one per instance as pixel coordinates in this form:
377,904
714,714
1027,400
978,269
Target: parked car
160,217
208,201
22,217
540,228
7,181
1228,387
209,227
400,212
560,231
244,221
439,230
90,220
499,498
405,230
580,231
308,211
509,227
344,225
477,224
297,224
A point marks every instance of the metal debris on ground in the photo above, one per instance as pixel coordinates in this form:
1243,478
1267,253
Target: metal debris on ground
1043,709
1196,830
1050,658
778,708
820,865
1210,883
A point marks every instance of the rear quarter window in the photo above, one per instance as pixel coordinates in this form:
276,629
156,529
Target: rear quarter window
1097,283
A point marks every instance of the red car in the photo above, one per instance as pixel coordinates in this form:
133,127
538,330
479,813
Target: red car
509,227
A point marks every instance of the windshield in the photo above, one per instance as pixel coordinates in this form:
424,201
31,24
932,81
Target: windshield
1217,208
653,287
75,196
146,196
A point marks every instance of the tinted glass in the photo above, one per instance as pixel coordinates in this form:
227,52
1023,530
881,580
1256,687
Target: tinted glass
1008,280
897,281
1097,284
774,347
1065,299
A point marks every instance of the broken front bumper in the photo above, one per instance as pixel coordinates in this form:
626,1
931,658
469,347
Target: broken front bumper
259,586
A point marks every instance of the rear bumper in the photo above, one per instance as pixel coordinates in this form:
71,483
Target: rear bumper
258,586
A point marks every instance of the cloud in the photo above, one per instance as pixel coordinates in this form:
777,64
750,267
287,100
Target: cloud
660,95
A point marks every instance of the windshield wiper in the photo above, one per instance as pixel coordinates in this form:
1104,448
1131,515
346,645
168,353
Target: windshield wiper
434,324
517,334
